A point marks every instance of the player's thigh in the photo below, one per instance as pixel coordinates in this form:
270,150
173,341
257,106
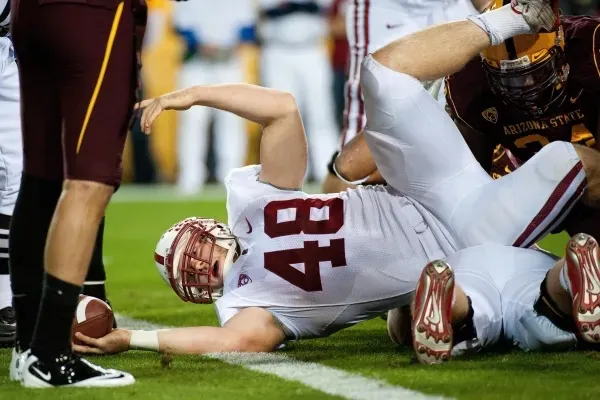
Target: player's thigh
525,205
416,146
472,268
40,111
98,77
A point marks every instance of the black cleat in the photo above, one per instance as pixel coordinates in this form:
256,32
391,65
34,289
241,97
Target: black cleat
68,370
8,327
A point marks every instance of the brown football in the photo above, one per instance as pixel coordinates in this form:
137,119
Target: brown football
93,318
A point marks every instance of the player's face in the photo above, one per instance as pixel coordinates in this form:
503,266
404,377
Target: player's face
533,89
215,270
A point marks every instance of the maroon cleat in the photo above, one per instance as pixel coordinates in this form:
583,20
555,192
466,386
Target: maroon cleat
432,315
583,270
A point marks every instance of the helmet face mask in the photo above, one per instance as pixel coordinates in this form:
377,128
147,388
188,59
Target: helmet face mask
532,89
194,257
528,72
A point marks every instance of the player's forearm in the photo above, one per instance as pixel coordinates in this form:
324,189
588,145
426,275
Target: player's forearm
355,161
255,103
435,52
194,340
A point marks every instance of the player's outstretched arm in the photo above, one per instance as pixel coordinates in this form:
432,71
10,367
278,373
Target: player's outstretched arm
444,49
283,150
251,330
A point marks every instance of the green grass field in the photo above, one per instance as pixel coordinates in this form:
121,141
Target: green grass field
136,291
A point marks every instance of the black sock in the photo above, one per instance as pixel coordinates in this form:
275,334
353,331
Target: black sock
28,230
52,335
466,331
94,281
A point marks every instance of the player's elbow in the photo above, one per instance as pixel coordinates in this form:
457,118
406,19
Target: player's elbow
285,110
288,104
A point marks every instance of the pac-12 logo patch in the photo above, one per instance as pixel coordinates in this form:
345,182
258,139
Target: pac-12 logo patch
490,114
243,280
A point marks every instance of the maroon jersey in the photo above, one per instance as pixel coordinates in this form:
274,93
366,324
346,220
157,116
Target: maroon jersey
471,100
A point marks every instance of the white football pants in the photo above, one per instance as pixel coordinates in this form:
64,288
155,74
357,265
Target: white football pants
11,151
421,154
229,130
503,284
306,73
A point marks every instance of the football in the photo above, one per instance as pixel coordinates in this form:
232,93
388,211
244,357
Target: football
93,318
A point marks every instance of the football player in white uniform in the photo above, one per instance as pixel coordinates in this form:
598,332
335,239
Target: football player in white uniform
292,265
494,293
537,302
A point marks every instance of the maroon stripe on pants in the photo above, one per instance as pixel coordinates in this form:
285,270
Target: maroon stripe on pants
551,203
361,104
562,214
353,92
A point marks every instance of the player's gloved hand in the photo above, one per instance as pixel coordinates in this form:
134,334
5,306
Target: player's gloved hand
540,15
115,342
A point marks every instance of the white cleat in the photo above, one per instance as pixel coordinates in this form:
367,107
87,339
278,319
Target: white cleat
17,362
432,315
583,271
70,371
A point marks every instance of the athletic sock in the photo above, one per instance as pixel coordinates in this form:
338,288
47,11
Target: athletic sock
28,230
94,284
52,335
501,24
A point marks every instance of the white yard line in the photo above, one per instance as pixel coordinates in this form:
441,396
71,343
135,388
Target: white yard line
320,377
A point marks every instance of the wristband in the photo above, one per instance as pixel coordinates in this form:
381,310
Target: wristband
144,340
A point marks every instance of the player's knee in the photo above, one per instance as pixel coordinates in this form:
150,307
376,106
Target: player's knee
382,79
590,159
94,195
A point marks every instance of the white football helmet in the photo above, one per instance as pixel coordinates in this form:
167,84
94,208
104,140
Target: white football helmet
176,249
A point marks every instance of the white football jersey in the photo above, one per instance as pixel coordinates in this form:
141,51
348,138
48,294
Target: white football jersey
321,263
